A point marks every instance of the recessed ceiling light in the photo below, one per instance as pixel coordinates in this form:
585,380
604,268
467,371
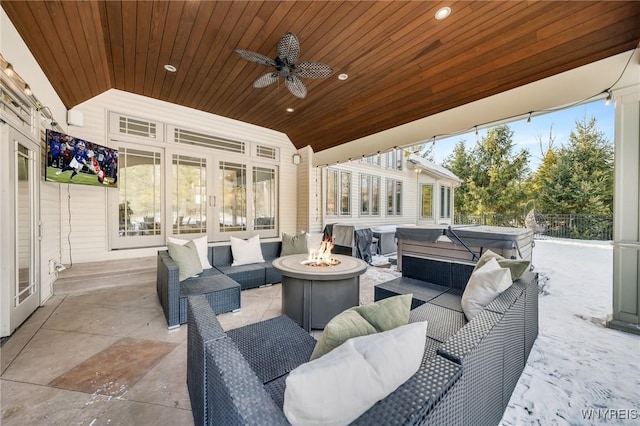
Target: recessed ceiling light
343,77
289,110
170,68
443,12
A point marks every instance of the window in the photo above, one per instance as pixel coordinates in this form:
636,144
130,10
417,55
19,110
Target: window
189,200
374,160
394,159
332,193
139,198
394,197
233,197
369,195
426,211
338,193
264,198
345,193
445,202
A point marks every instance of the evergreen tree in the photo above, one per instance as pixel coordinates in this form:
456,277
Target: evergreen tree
498,174
582,179
459,162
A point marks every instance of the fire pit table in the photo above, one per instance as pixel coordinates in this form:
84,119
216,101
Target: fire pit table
312,295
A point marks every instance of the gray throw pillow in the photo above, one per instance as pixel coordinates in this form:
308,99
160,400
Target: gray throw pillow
187,258
293,244
517,266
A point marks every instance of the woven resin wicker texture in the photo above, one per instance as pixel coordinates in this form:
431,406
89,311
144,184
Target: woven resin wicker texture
168,288
235,395
478,347
452,299
222,292
273,347
491,349
443,322
414,399
530,311
203,328
422,291
445,273
270,252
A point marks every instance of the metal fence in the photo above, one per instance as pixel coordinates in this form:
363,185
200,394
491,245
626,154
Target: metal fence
574,226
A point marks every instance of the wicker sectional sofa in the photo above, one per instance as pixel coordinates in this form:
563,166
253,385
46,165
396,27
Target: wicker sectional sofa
221,284
467,375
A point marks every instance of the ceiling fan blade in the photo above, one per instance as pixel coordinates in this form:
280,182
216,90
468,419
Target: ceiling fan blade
266,80
289,48
255,57
313,70
295,86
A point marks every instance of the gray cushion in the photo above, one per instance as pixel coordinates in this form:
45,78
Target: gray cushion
187,258
294,244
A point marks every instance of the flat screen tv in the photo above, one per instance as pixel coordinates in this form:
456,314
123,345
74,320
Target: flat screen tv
74,160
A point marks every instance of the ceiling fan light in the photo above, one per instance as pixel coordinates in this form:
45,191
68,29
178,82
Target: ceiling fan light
443,13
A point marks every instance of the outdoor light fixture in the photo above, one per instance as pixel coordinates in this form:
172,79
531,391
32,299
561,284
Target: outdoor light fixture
9,70
529,119
609,98
297,159
443,13
170,68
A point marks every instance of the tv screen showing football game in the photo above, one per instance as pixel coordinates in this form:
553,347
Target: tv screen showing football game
74,160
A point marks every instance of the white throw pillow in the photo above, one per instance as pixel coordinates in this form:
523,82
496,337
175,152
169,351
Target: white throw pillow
201,246
338,387
314,241
246,251
485,284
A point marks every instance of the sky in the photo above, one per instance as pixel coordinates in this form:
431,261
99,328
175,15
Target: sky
527,136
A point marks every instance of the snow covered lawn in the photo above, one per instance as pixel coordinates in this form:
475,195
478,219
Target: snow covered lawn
579,372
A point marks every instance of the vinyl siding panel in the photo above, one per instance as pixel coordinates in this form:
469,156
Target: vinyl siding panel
411,182
90,223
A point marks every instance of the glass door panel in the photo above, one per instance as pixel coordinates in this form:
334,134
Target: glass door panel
264,199
189,200
139,198
233,197
21,288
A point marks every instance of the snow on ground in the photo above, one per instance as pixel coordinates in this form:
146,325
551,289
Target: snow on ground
579,372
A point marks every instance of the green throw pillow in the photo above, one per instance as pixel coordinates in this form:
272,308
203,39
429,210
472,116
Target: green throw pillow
187,258
293,244
517,266
380,316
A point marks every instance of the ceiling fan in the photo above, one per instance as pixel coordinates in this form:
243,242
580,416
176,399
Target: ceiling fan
286,67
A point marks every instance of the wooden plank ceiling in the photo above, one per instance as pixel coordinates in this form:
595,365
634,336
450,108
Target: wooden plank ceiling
402,63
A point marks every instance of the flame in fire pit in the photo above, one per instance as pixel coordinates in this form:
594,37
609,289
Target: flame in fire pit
322,256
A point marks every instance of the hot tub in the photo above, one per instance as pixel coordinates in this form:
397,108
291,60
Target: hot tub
463,243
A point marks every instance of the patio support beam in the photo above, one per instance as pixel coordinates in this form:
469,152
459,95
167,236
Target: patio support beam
626,223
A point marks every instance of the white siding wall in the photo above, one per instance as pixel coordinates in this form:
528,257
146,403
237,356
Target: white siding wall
309,193
89,222
410,195
15,51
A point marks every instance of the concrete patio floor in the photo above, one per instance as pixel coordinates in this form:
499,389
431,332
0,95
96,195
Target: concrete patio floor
99,351
97,354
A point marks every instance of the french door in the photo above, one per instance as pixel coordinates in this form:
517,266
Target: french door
222,198
189,193
20,275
